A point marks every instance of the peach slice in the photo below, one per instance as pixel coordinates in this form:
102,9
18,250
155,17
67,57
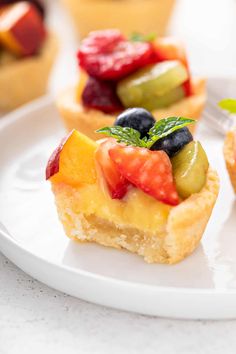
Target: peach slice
73,162
21,29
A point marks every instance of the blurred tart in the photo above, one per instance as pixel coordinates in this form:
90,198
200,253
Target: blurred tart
150,15
27,53
230,156
117,73
149,193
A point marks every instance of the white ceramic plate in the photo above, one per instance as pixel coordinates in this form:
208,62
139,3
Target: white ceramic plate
202,286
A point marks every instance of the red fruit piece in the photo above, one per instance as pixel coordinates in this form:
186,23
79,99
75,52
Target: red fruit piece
116,183
151,171
101,95
109,56
169,48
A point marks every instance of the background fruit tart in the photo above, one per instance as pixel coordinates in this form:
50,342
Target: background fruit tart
118,73
27,52
149,15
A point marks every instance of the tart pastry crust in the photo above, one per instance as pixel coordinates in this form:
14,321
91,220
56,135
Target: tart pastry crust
87,121
229,155
26,79
179,236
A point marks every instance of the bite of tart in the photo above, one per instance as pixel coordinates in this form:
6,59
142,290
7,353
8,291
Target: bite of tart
149,193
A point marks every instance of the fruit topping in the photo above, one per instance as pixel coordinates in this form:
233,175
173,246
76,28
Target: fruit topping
136,118
190,168
151,171
152,83
107,55
155,102
73,161
21,29
101,95
159,130
169,48
116,183
173,142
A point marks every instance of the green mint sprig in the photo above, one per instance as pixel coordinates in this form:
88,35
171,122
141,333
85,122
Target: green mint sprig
126,135
139,37
161,129
229,104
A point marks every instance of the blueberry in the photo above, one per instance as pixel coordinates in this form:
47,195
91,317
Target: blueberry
136,118
174,142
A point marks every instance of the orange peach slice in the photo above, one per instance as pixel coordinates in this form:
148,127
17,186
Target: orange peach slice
73,162
21,29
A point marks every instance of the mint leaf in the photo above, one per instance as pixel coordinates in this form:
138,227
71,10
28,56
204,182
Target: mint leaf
139,37
229,104
161,129
125,135
165,127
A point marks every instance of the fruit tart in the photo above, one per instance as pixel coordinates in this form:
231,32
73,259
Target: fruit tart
27,52
118,73
145,187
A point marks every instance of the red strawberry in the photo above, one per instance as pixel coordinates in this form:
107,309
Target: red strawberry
107,55
101,95
116,183
151,171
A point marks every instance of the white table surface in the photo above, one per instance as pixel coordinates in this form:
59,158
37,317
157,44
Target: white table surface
37,319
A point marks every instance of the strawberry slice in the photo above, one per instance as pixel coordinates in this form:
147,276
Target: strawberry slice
151,171
117,184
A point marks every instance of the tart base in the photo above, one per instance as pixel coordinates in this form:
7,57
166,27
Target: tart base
180,235
23,80
87,121
229,155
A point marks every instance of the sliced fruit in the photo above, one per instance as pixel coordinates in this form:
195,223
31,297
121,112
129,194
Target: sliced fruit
151,171
117,184
157,79
107,55
73,162
137,118
190,168
169,48
155,102
101,95
173,142
21,29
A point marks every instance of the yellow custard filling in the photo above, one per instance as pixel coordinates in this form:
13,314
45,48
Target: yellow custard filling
136,209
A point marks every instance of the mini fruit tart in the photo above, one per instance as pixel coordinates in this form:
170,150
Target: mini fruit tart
118,73
148,190
27,52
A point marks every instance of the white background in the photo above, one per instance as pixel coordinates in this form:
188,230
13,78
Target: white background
36,319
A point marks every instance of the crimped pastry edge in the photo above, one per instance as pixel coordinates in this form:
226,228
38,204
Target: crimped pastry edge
230,160
184,228
87,121
26,79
